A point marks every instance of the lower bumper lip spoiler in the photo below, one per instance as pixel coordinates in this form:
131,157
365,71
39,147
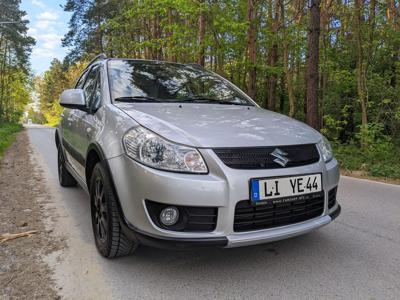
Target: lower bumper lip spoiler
230,241
336,213
171,243
259,237
182,244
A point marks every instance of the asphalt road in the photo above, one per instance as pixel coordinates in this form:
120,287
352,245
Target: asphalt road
357,256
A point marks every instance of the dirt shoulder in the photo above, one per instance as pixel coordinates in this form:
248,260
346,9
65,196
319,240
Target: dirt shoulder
24,207
362,175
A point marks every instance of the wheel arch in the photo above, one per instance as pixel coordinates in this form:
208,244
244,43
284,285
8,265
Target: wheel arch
57,138
94,155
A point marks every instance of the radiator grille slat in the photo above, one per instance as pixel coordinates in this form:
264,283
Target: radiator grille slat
249,216
261,158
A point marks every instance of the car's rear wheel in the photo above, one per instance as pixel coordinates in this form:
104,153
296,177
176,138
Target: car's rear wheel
110,240
64,177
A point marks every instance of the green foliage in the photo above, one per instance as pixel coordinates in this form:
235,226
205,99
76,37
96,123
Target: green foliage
15,48
169,30
35,116
378,157
7,135
50,86
372,135
379,161
332,127
52,114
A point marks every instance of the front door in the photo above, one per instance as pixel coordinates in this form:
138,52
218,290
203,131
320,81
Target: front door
80,133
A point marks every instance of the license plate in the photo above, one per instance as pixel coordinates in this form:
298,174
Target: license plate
264,189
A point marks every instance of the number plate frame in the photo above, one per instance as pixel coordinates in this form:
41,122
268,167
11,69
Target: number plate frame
287,198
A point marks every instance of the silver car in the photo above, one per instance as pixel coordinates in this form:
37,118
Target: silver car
175,156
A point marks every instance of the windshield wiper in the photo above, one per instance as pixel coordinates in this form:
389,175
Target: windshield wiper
211,100
137,99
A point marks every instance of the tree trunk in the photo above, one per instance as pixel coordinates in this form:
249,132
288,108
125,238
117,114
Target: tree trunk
371,23
273,61
170,33
251,46
393,15
312,64
325,39
289,80
361,88
202,32
287,67
272,80
157,37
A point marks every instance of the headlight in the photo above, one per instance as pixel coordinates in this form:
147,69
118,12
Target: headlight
326,149
154,151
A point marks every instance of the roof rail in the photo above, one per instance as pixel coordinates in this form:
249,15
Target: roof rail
193,64
98,57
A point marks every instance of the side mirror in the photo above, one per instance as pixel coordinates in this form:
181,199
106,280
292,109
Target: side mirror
73,98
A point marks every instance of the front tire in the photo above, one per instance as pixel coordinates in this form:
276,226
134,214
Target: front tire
110,240
64,177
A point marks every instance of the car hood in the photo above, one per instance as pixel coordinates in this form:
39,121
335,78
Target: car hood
216,125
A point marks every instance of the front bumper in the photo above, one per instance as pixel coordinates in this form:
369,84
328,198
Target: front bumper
222,187
232,241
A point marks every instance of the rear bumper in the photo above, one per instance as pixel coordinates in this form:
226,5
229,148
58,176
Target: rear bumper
230,241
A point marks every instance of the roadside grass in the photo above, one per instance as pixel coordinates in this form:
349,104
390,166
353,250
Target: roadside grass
379,161
7,135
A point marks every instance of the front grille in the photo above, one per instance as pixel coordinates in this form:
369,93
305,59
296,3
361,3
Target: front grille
261,158
249,216
332,197
191,218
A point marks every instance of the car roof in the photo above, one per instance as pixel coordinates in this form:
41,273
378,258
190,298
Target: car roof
152,61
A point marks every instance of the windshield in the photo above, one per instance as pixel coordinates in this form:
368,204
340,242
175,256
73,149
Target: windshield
152,81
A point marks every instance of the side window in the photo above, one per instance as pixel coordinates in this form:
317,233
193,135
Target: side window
81,81
96,97
92,88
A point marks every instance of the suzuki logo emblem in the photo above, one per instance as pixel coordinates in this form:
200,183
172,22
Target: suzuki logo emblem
280,157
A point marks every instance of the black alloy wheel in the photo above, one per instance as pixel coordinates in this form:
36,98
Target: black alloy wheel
100,210
109,238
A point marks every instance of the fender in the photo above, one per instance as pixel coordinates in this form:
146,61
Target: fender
57,137
97,148
59,141
100,153
89,164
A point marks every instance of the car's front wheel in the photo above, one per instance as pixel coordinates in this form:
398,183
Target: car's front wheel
110,240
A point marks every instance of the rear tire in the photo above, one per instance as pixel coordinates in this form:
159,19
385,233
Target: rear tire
64,177
110,240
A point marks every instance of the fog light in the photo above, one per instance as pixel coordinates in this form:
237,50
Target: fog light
169,216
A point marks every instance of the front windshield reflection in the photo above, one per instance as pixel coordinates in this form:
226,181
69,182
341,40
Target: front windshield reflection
170,82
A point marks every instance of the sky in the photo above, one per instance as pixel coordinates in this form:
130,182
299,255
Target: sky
47,24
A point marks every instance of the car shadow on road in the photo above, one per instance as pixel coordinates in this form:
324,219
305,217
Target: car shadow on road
283,258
